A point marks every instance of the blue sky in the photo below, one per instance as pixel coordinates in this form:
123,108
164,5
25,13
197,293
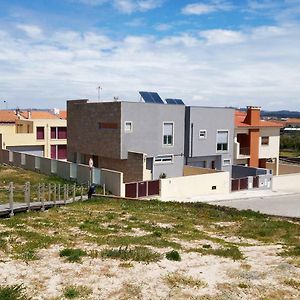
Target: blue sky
214,52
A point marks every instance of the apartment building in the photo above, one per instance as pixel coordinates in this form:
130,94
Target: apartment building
255,141
41,133
209,134
143,140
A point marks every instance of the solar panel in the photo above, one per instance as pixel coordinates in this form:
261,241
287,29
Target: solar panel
151,97
175,101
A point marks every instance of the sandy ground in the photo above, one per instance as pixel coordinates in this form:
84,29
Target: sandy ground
261,273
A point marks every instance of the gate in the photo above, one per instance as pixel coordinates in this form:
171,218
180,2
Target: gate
142,189
239,184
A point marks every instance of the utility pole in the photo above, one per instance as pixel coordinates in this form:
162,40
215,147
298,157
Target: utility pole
99,88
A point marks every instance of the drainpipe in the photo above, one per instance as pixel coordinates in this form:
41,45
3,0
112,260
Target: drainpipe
192,138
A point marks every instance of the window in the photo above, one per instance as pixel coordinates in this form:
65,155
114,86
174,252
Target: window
105,125
226,162
59,151
265,140
161,159
40,135
128,126
58,133
168,133
222,140
202,134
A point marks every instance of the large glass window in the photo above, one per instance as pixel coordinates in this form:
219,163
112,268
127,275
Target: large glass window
168,133
40,135
222,140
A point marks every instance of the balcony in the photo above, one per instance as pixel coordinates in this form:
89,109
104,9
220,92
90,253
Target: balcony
241,152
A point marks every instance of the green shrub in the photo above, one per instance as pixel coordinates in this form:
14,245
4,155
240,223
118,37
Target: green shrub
13,292
72,255
76,291
135,254
173,255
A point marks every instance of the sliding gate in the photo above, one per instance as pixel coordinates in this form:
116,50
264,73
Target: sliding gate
142,189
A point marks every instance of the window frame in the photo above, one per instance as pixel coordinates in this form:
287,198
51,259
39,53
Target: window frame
131,126
205,134
37,128
222,150
263,143
163,135
158,160
226,164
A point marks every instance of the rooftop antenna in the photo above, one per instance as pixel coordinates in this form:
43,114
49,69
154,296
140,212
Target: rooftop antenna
99,88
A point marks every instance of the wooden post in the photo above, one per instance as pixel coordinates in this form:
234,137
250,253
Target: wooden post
74,192
65,193
49,192
27,195
39,193
59,192
81,193
11,199
103,188
54,194
43,197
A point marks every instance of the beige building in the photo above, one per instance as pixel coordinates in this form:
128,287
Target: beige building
41,133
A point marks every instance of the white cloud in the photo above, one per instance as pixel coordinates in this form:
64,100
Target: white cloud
221,36
201,8
32,31
261,69
163,27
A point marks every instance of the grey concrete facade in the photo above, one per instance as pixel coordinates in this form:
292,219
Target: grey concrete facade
202,151
110,146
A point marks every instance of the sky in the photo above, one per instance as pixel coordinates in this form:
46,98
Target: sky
210,53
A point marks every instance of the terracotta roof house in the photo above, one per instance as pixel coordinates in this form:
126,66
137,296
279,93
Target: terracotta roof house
255,140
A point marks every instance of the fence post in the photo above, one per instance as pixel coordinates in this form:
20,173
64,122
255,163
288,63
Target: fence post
39,192
11,199
49,192
54,194
27,195
81,193
74,192
65,193
43,197
104,189
59,192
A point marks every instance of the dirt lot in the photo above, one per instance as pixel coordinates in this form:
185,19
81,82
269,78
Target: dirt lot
115,249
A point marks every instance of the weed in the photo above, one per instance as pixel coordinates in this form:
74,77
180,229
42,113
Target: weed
230,252
13,292
173,255
135,254
206,246
178,279
293,283
157,233
243,285
72,255
126,265
76,291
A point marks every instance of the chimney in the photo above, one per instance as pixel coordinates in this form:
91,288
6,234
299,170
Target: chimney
253,115
29,114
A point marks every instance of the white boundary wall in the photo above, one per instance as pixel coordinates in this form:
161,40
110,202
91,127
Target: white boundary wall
179,188
113,180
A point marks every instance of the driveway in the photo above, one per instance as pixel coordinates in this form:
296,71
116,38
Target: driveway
281,205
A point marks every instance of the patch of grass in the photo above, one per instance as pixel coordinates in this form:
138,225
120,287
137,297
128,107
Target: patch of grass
126,265
135,254
72,255
293,283
173,255
243,285
178,279
13,292
292,251
232,252
76,291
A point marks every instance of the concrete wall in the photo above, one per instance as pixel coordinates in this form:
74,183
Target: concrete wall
174,169
206,161
210,119
113,181
287,183
197,185
45,166
63,168
242,171
30,162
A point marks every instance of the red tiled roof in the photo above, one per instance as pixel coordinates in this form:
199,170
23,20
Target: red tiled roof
8,116
39,114
292,121
240,118
63,115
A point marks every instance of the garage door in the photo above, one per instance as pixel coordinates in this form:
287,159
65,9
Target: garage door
33,150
